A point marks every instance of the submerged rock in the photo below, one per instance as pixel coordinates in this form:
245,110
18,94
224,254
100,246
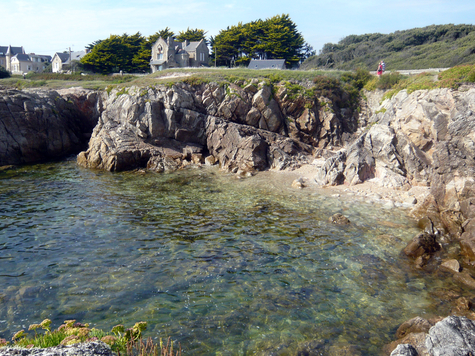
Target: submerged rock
421,248
339,219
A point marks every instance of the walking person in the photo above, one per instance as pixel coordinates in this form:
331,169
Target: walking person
380,69
384,66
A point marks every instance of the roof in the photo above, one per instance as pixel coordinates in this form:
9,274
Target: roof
192,46
22,57
63,56
75,56
13,50
267,64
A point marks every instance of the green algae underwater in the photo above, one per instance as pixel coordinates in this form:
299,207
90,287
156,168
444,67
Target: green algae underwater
224,266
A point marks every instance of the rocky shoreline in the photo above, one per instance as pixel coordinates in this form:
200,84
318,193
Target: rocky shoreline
415,150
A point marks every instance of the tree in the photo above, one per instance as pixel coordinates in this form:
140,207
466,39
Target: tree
114,54
91,45
274,38
194,35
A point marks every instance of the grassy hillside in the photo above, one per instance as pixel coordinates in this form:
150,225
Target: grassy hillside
436,46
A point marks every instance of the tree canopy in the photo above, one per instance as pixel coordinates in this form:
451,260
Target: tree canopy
113,54
273,38
194,35
436,46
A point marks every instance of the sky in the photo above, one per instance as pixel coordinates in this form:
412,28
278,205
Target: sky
49,26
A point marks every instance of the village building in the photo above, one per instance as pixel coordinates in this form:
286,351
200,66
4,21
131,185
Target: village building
25,63
170,54
62,61
267,64
6,54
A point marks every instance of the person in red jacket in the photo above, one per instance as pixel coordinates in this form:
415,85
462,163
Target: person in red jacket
380,69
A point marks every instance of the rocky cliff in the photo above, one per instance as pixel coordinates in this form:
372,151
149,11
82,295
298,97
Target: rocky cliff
423,138
241,127
39,125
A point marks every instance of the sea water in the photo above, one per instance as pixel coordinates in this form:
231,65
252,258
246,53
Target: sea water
223,266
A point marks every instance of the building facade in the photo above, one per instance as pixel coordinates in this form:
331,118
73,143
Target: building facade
62,61
25,63
170,54
6,54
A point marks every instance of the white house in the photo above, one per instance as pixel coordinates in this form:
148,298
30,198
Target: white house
65,59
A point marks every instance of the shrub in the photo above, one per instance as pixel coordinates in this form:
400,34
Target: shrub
453,77
4,73
123,341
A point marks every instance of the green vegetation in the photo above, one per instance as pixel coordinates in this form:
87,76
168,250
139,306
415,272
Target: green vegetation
274,38
59,81
123,341
394,82
433,46
129,53
4,73
191,35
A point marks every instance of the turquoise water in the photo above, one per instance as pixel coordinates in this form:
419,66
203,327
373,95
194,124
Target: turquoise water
224,266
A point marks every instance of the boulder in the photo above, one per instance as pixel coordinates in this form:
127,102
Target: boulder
339,219
453,336
422,247
404,350
414,325
96,348
451,265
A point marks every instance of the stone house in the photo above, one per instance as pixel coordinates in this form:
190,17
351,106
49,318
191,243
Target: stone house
65,59
170,54
24,63
6,54
267,64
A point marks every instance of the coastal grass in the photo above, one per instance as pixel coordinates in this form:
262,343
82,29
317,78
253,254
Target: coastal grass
192,76
451,78
128,342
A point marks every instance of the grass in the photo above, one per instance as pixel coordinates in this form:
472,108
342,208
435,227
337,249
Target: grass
451,78
191,76
128,342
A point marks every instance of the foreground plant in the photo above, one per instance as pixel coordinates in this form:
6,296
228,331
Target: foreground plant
124,341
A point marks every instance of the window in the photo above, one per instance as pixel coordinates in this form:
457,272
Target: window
160,56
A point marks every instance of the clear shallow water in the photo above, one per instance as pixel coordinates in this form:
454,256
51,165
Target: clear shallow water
225,266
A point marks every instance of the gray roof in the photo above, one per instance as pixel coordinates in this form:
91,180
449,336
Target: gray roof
192,46
63,56
13,50
22,57
267,64
75,56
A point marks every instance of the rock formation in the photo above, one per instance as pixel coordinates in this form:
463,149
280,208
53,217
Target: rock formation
96,348
422,138
452,336
39,125
246,128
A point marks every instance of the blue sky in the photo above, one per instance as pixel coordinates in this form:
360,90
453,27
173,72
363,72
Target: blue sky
49,26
